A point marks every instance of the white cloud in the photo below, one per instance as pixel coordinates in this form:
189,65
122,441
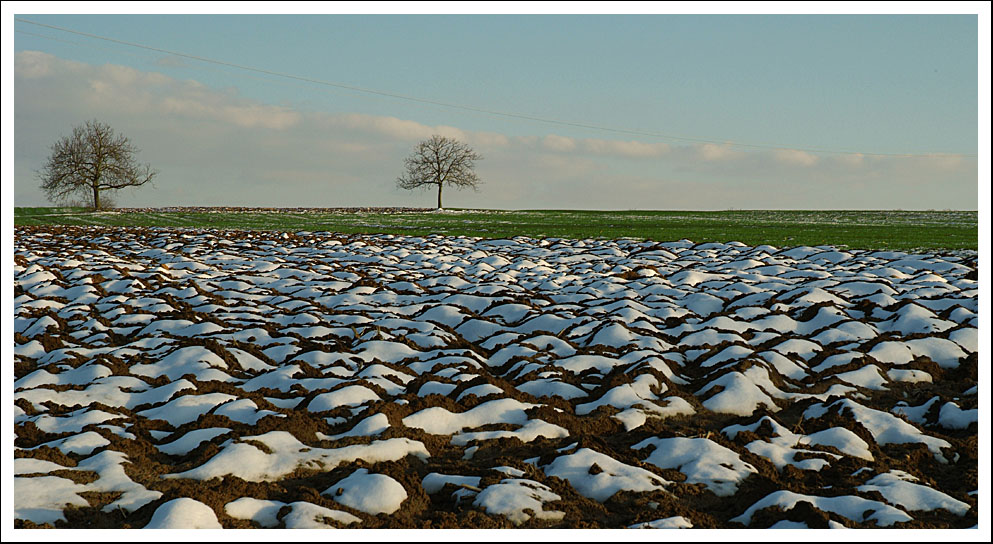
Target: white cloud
716,152
251,116
851,160
794,156
407,131
625,149
555,142
391,127
216,147
594,146
33,64
488,139
124,89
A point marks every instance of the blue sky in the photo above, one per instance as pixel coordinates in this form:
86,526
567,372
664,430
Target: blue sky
784,85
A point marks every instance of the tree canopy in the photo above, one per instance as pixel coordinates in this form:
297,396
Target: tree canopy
91,161
440,161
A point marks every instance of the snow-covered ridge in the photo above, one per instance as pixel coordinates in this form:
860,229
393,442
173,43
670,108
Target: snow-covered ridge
494,378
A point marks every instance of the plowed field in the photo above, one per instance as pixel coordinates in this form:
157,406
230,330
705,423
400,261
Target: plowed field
181,378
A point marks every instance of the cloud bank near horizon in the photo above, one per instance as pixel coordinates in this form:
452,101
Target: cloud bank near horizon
216,147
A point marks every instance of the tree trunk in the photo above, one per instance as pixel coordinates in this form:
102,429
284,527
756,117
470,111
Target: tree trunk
439,196
96,199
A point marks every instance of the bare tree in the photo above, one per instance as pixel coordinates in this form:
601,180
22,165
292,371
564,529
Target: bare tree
92,160
440,161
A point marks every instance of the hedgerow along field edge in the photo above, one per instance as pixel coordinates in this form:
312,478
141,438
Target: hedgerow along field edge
881,230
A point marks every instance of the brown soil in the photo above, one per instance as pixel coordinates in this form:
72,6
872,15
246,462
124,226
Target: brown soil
598,430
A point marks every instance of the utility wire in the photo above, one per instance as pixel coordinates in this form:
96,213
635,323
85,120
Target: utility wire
150,59
487,111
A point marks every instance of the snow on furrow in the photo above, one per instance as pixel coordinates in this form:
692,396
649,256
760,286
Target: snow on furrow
347,380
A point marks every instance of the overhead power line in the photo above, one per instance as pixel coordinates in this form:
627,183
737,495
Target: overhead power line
484,110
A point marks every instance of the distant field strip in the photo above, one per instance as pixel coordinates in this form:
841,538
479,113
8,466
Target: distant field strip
902,230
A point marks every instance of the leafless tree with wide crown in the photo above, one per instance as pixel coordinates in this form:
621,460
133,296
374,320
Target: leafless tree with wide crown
440,161
92,160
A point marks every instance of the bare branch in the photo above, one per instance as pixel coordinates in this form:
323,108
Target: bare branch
92,160
437,162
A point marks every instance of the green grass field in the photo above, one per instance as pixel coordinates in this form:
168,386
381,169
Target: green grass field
902,230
